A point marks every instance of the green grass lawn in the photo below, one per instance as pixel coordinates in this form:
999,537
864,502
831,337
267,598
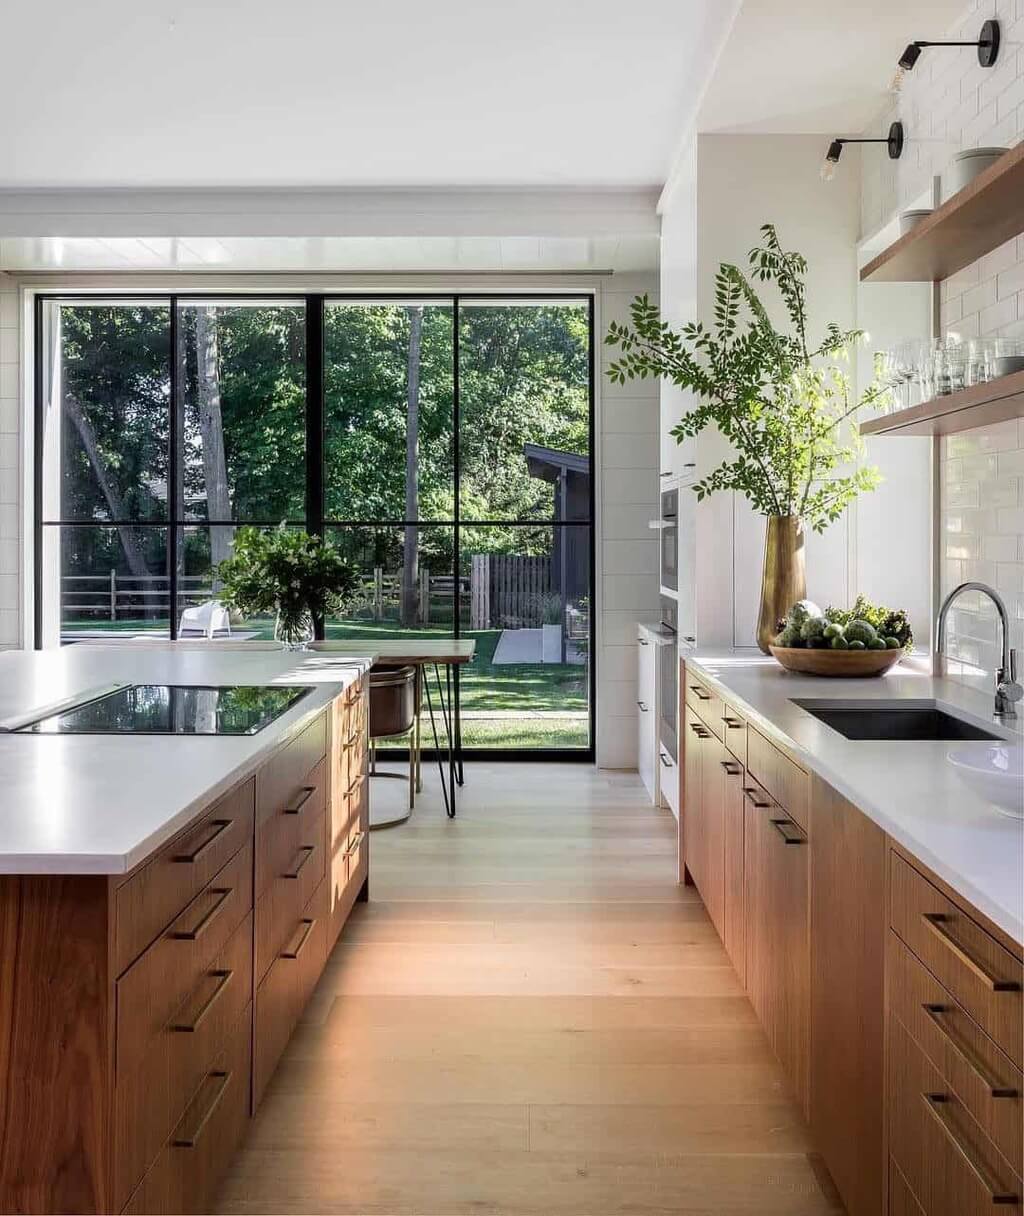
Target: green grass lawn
516,689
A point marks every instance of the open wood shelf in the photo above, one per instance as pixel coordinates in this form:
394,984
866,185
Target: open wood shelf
981,405
976,220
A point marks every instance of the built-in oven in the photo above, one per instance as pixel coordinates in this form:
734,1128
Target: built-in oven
668,658
669,532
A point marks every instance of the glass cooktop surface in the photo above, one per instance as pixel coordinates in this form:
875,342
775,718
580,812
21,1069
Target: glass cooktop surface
173,709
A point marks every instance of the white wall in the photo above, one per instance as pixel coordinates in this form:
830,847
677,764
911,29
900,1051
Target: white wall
742,182
628,549
949,102
10,475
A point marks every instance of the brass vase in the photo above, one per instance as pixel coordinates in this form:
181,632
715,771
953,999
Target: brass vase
784,579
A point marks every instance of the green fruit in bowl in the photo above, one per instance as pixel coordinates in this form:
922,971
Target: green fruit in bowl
801,611
877,644
860,631
813,627
833,631
892,644
856,645
838,642
788,637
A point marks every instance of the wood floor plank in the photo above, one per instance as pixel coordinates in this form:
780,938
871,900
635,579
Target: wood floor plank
530,1018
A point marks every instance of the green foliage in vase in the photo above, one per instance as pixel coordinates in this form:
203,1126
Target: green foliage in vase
285,571
785,405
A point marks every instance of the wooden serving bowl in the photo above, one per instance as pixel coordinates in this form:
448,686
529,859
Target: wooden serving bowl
849,663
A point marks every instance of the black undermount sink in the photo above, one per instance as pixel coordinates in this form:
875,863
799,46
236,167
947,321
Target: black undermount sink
892,720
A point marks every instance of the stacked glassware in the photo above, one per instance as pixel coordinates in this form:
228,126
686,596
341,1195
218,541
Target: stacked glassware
923,369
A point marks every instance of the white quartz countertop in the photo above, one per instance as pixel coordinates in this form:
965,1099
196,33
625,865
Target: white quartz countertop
907,787
100,804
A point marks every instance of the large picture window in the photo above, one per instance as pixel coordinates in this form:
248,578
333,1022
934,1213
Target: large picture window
444,442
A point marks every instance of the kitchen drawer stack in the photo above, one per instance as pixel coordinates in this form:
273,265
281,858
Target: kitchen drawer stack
894,1008
143,1016
955,1041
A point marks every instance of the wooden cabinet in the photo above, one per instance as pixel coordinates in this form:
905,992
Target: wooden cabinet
847,976
734,912
778,931
138,1013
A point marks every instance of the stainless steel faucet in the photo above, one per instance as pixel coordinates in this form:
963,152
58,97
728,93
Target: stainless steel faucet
1008,691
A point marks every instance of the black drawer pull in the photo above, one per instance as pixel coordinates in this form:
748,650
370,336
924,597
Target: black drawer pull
191,935
699,693
781,825
191,1139
220,826
641,706
307,933
307,852
937,921
995,1087
752,795
191,1027
936,1104
307,792
731,767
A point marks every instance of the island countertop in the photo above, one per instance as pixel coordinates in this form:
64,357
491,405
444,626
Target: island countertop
907,787
101,804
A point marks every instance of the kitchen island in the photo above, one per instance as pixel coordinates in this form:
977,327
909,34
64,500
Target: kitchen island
871,898
167,903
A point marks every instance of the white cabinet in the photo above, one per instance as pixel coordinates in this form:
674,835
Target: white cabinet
647,714
678,460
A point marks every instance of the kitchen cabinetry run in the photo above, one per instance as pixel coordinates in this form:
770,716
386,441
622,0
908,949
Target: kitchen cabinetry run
647,715
895,1009
142,1015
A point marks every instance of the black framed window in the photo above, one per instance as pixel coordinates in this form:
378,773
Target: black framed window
444,441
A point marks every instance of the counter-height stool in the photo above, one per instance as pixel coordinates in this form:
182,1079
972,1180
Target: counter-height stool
393,714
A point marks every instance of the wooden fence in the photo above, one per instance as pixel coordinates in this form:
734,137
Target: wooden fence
508,591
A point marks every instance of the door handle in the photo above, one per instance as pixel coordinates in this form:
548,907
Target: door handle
731,767
191,935
665,760
995,1087
936,1104
307,792
220,826
699,693
780,826
223,978
307,850
752,795
936,921
642,707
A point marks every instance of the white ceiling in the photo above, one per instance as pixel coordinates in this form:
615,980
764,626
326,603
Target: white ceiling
222,93
815,66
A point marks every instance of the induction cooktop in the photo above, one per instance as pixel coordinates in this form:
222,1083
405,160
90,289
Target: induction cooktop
172,709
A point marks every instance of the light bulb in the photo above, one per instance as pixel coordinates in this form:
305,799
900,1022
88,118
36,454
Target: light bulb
828,170
896,85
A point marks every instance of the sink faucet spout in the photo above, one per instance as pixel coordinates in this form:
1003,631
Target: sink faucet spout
1008,691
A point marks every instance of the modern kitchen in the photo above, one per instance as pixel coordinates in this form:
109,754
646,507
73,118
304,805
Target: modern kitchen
510,695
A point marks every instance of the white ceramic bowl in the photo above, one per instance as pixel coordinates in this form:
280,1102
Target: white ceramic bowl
965,167
995,772
909,220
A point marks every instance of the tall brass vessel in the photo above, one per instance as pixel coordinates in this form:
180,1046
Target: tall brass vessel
784,580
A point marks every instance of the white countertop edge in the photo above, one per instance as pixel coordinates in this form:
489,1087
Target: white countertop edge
960,883
655,635
278,734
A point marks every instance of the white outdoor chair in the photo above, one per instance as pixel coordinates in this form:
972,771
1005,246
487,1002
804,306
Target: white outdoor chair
209,620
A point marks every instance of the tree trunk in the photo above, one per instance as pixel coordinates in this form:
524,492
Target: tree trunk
133,553
410,565
211,430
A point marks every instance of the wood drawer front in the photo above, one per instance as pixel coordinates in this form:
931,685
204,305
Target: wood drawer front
283,832
705,702
153,990
983,977
901,1198
734,733
948,1162
185,1176
152,1097
280,782
147,902
982,1077
281,904
289,983
787,782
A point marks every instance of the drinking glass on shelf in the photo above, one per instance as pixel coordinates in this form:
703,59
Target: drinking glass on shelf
980,362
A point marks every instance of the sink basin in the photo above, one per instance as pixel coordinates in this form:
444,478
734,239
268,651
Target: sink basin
907,720
996,773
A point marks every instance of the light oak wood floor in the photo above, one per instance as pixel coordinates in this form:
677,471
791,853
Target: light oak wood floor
530,1016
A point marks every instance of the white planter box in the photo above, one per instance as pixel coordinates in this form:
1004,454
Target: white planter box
551,643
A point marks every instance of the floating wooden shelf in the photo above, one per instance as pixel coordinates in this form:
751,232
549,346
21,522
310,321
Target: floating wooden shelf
982,405
976,220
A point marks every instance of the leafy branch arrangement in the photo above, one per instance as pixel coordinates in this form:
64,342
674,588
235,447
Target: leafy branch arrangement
786,407
286,571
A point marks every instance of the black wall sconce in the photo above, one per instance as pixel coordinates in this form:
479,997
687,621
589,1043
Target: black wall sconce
987,44
893,141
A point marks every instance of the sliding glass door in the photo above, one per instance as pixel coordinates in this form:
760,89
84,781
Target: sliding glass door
443,442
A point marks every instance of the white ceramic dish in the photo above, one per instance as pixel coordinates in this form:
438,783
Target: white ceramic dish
995,772
965,167
909,220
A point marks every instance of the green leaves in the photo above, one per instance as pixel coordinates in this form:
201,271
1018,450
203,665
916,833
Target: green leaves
786,408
